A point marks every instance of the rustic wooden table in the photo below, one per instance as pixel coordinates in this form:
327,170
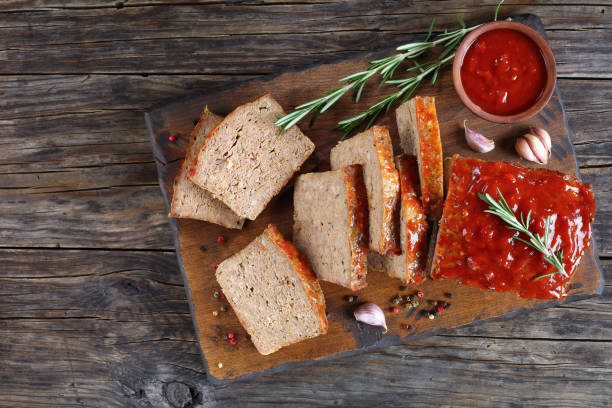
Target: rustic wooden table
92,306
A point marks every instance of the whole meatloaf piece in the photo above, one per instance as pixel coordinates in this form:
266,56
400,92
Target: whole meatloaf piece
477,248
331,224
372,149
275,295
419,132
410,265
245,160
191,201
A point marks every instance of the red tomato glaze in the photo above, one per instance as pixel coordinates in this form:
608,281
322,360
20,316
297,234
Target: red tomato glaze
503,72
477,249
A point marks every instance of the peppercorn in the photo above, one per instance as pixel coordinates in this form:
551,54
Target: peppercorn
395,310
217,328
217,294
202,248
172,138
215,313
396,300
403,288
431,316
225,337
220,365
221,239
440,308
420,294
215,266
214,339
406,326
230,335
350,298
233,341
415,303
435,313
448,295
223,308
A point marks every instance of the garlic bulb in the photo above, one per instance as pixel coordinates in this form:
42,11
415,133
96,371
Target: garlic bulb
477,141
534,146
370,313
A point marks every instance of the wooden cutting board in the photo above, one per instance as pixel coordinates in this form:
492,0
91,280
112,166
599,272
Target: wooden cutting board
198,249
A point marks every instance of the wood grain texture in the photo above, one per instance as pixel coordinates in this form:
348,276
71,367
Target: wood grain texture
553,357
469,304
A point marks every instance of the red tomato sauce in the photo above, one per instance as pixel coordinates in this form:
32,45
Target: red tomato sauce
477,249
503,72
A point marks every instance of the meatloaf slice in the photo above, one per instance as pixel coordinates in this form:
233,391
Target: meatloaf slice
275,295
417,125
372,149
409,266
191,201
331,224
245,160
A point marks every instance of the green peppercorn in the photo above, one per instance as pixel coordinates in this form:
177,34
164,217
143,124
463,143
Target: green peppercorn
223,308
215,313
217,294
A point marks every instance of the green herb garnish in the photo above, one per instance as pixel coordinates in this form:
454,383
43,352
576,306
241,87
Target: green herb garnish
536,241
385,67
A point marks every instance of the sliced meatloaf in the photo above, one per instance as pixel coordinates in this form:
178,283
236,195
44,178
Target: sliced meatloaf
275,295
245,160
191,201
372,149
409,266
331,224
417,125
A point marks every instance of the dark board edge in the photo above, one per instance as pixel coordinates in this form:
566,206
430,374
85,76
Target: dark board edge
382,341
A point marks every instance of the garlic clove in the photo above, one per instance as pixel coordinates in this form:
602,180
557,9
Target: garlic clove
477,141
522,148
537,148
370,313
543,136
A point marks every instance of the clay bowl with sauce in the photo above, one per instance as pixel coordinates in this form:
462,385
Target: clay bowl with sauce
504,72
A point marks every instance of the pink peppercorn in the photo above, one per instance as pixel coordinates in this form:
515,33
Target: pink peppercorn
221,239
395,310
440,308
233,341
172,138
420,294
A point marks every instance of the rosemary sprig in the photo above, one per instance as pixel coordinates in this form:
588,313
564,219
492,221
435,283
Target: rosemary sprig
386,68
536,241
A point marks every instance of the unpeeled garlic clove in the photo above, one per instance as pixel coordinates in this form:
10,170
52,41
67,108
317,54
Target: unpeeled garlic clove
530,148
477,141
370,313
543,136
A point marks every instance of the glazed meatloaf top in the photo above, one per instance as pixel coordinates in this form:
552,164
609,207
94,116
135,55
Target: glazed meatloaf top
191,201
417,125
331,224
245,160
372,149
477,248
273,292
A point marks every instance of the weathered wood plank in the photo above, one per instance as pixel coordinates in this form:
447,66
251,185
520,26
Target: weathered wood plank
103,330
263,38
